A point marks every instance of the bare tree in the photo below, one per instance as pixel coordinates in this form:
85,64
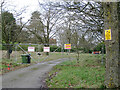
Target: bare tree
51,17
88,16
47,20
83,24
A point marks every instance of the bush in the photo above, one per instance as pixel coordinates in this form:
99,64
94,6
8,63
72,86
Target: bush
55,48
24,47
86,50
99,47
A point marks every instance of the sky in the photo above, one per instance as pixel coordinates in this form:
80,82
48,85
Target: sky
30,5
18,5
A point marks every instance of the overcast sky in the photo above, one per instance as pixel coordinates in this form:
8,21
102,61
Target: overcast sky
18,5
30,5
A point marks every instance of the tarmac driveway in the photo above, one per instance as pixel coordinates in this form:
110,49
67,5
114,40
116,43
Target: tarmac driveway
29,77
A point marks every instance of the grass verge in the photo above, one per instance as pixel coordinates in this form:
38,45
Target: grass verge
88,73
16,61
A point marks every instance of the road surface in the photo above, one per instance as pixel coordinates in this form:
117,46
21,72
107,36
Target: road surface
29,77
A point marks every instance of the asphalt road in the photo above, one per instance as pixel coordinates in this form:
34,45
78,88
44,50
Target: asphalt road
29,77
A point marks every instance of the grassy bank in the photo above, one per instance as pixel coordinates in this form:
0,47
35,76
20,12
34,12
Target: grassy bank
88,73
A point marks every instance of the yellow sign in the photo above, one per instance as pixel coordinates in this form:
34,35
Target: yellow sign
67,46
108,34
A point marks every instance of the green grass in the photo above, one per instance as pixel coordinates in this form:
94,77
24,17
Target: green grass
89,73
13,66
16,56
16,59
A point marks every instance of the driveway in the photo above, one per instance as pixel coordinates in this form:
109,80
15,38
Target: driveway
29,77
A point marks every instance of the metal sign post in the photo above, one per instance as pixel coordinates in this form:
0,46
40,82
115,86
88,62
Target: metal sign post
68,47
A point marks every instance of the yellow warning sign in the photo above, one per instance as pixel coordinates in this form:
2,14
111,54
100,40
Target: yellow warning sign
108,34
67,46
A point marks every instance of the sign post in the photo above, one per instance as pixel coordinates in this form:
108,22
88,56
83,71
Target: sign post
68,47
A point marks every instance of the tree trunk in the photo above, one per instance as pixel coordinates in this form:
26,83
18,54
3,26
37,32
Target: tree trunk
9,51
8,54
77,50
111,21
78,56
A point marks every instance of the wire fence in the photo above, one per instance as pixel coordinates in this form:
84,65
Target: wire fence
38,55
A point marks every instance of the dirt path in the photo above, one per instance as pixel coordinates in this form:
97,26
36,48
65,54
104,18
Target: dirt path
29,77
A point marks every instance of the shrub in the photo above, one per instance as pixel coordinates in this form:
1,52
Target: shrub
55,48
99,47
